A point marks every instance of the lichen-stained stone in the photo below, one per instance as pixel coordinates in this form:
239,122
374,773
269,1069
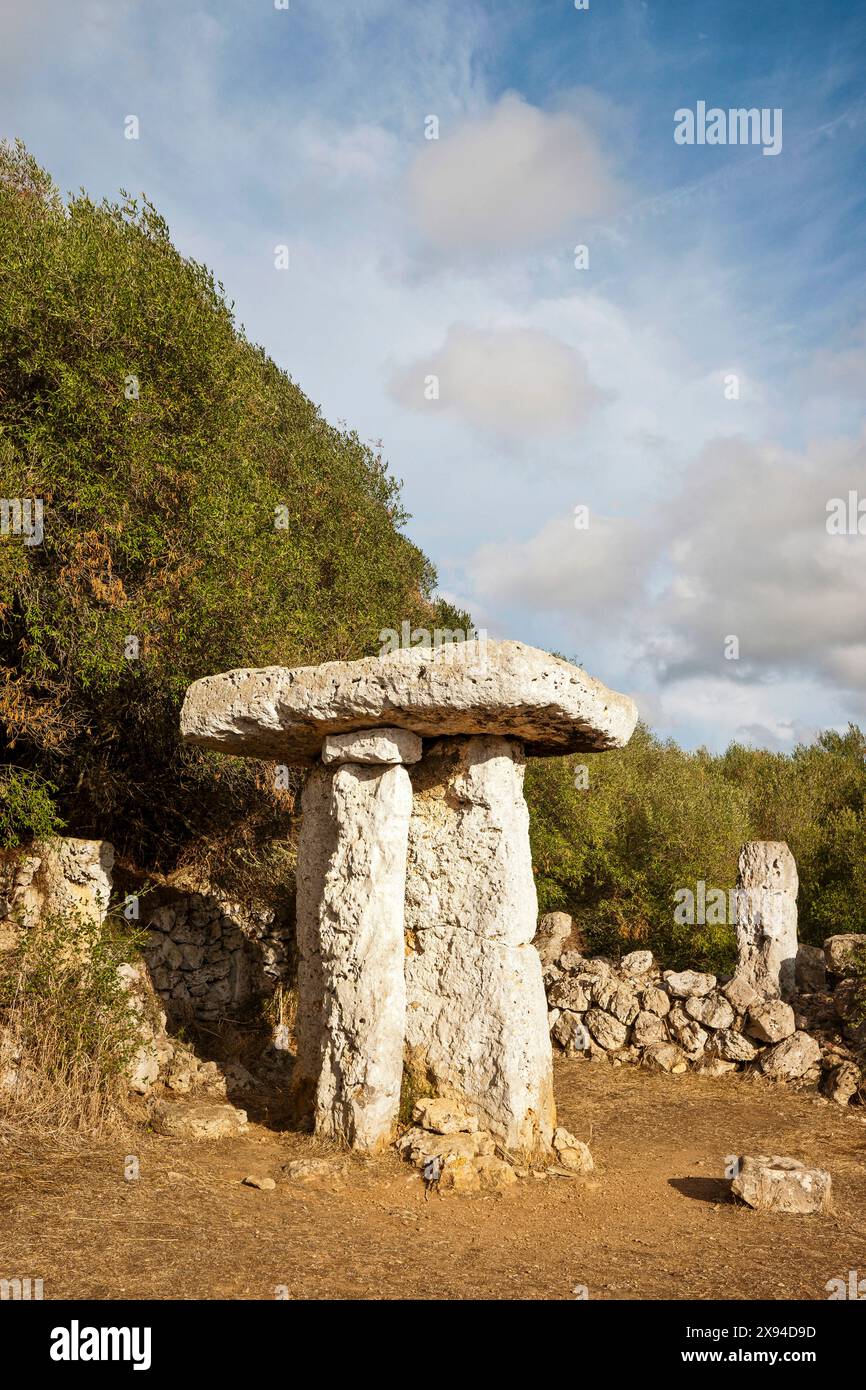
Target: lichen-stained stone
739,994
771,1021
554,929
476,1021
791,1059
682,983
648,1029
361,941
767,918
62,876
841,952
475,687
712,1010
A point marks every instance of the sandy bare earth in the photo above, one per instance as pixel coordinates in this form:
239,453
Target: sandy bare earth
654,1221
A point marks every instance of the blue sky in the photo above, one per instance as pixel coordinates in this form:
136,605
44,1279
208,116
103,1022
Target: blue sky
607,386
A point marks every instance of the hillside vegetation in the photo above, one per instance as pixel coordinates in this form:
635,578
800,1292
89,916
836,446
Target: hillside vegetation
654,819
194,500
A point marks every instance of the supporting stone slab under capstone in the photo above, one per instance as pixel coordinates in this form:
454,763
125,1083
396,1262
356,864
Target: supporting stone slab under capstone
476,1020
352,995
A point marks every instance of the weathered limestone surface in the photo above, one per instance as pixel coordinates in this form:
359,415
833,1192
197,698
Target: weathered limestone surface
477,687
373,746
475,1029
841,952
65,875
351,988
767,918
476,1024
782,1185
317,842
198,1120
554,929
362,950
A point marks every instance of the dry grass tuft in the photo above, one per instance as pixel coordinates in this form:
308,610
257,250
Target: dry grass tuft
67,1032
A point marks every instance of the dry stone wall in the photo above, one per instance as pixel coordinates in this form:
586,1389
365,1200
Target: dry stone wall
208,958
634,1011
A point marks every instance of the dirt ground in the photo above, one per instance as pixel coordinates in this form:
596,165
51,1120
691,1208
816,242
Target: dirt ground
654,1221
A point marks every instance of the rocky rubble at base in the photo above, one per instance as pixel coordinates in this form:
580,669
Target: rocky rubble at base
634,1011
453,1155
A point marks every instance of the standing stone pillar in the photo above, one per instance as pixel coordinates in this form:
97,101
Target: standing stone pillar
317,842
767,918
476,1022
351,890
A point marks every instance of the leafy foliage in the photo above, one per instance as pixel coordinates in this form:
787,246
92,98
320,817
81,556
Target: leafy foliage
194,498
26,804
655,818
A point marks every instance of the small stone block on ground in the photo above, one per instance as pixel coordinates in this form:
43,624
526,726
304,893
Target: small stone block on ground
444,1116
198,1120
781,1185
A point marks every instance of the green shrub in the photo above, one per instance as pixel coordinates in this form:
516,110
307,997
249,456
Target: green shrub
655,818
26,807
194,499
652,819
815,799
68,1028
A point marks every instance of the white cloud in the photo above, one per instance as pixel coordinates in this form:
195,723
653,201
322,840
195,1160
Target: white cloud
740,549
596,570
504,380
513,177
758,563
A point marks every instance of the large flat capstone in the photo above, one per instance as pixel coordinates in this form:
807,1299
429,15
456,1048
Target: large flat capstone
475,687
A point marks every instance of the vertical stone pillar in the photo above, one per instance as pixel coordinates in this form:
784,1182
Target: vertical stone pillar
362,950
476,1020
317,839
767,918
350,912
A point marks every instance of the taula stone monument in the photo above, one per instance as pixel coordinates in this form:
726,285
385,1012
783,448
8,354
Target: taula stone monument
416,903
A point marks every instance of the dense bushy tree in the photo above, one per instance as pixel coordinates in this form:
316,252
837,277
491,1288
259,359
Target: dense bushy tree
815,799
194,498
654,819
